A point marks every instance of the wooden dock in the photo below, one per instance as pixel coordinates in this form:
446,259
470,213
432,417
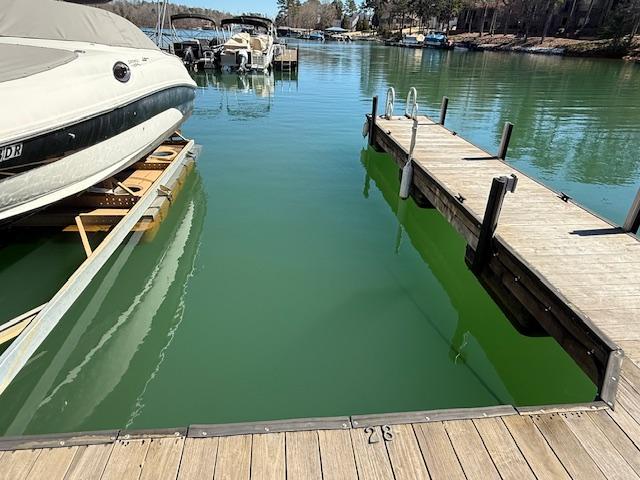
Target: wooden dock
553,266
572,442
287,60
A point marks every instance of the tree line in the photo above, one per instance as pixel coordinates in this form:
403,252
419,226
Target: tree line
314,14
144,13
572,18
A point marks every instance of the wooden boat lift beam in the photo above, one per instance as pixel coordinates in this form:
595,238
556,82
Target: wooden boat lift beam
36,325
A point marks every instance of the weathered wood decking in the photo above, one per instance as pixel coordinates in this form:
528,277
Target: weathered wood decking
591,444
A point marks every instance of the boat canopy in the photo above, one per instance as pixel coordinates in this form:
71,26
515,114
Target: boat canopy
52,20
248,20
19,61
196,16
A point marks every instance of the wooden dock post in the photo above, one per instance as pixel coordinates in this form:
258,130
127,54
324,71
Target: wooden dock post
443,109
632,222
372,120
504,143
499,188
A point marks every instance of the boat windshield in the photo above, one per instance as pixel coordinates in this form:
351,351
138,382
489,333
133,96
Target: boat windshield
53,20
250,29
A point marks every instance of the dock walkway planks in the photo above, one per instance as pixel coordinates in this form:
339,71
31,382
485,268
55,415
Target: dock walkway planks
579,445
287,60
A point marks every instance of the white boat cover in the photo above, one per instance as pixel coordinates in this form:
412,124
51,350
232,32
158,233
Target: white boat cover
19,61
417,38
260,43
238,41
53,20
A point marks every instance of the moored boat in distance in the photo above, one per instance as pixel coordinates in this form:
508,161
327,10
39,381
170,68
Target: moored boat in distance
86,93
315,35
413,40
437,40
337,34
252,44
200,51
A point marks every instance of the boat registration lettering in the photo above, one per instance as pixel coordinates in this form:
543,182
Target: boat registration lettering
10,151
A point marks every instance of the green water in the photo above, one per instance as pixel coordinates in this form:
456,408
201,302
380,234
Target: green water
289,281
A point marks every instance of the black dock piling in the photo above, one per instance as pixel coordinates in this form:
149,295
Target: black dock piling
499,188
372,120
506,137
443,109
632,222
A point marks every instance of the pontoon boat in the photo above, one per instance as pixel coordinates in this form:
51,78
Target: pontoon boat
414,40
252,44
437,40
200,51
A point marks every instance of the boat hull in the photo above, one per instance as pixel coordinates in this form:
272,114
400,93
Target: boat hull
73,173
75,125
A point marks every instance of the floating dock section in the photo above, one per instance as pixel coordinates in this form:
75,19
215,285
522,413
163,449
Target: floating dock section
553,266
287,60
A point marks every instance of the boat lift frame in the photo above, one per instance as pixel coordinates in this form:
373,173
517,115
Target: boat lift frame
32,328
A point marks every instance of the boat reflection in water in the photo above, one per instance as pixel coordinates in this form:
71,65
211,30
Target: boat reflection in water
236,89
81,375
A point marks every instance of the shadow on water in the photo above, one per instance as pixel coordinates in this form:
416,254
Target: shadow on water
482,336
128,314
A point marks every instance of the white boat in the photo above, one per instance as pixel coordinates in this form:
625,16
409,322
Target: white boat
84,94
414,40
437,40
252,44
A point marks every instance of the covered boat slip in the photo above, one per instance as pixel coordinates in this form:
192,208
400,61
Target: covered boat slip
590,442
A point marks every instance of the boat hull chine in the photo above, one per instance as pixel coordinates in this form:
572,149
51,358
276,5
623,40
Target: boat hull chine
47,183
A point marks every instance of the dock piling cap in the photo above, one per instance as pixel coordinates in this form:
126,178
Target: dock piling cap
512,182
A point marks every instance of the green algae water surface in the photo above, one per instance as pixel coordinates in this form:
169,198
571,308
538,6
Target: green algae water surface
289,281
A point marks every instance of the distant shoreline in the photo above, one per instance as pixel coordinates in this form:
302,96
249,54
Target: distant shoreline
599,48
